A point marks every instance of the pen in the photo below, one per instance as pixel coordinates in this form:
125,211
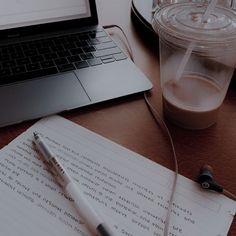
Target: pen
87,213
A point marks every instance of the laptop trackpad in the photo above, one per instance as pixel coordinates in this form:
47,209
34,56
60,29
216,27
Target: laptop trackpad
41,97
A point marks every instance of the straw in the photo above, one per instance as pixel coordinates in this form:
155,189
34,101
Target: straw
233,4
184,61
191,46
209,10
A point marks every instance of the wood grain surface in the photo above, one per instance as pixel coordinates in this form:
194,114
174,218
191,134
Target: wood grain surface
128,121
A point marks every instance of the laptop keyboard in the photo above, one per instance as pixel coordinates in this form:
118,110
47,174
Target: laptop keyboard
58,54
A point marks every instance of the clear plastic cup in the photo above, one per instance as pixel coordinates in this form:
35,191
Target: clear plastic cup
192,100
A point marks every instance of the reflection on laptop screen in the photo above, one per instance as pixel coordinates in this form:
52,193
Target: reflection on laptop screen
18,13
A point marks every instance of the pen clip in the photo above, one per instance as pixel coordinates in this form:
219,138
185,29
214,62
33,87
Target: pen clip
51,169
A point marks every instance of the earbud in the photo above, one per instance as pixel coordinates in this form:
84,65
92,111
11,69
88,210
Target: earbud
205,179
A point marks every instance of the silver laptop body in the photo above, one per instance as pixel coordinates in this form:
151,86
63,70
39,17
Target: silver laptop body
45,68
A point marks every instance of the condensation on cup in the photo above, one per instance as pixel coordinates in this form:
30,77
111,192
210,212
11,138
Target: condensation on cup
193,99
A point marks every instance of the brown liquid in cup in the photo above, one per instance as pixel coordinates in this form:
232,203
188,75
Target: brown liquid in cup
191,102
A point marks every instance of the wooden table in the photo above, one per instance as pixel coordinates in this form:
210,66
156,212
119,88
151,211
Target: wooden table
128,122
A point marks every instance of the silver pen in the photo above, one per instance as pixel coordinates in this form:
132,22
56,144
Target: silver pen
93,221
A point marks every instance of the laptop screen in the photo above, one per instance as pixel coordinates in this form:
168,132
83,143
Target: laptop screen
19,13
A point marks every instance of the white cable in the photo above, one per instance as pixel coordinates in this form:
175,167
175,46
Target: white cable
229,194
128,46
162,124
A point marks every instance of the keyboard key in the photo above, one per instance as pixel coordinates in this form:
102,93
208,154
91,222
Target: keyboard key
106,52
59,40
99,29
4,50
72,38
37,44
119,56
66,67
63,53
83,36
5,57
60,61
107,57
9,63
108,60
23,61
93,41
5,72
69,45
25,46
32,67
74,58
44,50
57,48
10,49
49,56
89,49
31,53
47,43
94,62
17,55
18,69
46,64
97,34
37,58
81,64
18,48
82,43
101,34
102,46
76,51
86,56
104,39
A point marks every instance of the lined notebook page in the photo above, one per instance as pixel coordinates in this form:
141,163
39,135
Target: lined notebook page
129,191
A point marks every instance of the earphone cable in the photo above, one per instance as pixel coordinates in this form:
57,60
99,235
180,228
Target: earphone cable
164,127
229,194
128,46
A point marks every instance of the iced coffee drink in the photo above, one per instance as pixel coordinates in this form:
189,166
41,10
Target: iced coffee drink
192,98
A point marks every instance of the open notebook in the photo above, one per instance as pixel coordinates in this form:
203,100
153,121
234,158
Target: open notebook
129,191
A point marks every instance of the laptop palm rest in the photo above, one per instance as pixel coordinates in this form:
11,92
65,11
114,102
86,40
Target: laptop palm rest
40,97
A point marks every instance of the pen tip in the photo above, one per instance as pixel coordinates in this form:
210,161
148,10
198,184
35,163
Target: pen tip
35,134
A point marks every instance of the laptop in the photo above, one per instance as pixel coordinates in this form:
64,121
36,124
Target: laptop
54,57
